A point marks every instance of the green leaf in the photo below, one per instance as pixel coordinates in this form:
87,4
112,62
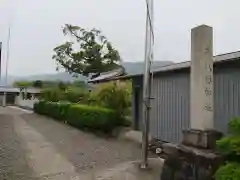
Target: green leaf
94,55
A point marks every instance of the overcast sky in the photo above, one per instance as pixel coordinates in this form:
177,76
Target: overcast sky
36,28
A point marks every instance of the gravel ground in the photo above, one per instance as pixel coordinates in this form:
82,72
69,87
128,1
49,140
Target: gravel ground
13,163
85,152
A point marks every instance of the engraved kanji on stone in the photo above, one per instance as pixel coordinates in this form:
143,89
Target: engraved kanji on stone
208,107
208,79
206,50
208,92
210,67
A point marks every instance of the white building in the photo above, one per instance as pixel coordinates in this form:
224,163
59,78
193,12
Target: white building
24,97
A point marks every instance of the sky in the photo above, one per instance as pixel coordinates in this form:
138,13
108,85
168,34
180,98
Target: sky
36,28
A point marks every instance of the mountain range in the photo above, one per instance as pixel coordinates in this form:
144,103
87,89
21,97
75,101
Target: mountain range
130,67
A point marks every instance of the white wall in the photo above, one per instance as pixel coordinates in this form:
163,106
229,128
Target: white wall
19,101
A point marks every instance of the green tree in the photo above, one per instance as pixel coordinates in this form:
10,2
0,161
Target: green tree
48,84
94,54
38,84
80,84
23,84
62,86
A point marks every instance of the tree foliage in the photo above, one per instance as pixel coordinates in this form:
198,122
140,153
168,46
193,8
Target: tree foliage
26,84
52,95
113,96
38,84
51,84
62,86
80,84
70,94
90,52
23,84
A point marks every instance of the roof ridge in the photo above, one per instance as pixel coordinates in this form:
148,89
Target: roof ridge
214,59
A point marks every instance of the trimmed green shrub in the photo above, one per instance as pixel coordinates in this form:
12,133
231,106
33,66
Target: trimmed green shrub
55,110
40,107
58,110
80,116
92,117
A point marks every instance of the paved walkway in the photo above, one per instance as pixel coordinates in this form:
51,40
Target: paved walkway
34,147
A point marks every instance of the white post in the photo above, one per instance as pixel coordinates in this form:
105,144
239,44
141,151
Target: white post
201,115
4,99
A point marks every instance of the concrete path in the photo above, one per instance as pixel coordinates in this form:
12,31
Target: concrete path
33,147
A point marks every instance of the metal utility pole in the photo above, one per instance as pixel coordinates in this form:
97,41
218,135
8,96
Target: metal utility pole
0,62
8,53
7,61
149,42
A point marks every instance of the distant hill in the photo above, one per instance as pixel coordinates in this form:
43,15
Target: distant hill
59,76
130,67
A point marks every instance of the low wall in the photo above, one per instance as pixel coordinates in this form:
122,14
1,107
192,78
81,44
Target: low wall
27,103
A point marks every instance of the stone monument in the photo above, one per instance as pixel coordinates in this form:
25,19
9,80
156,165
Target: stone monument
195,157
201,110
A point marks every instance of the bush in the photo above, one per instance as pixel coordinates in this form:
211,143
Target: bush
40,107
94,118
80,116
55,110
234,126
230,148
73,95
76,95
52,95
113,96
230,171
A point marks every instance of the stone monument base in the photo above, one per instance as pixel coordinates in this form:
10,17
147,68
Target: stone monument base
205,139
195,158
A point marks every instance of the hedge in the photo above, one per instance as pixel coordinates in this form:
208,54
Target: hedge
80,116
58,111
95,118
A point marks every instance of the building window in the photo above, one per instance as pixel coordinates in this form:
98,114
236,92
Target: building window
29,96
23,95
